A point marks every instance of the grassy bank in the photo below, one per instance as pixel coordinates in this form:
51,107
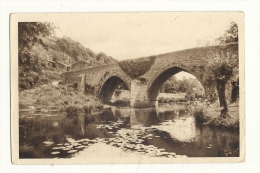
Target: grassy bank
60,97
210,115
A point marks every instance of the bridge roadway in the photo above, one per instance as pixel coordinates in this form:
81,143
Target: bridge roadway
103,80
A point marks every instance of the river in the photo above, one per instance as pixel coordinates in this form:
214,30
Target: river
167,131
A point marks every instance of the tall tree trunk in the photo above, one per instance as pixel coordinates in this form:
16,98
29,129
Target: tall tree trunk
234,92
221,87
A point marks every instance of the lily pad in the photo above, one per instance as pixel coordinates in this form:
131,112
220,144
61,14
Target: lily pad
72,151
48,142
164,153
161,149
80,147
66,149
55,152
56,148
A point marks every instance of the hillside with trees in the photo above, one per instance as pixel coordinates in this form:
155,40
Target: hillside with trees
66,50
37,44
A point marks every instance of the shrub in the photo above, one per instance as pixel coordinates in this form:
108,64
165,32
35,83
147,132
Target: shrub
22,106
123,102
162,100
72,111
88,109
43,80
199,114
100,107
52,75
183,100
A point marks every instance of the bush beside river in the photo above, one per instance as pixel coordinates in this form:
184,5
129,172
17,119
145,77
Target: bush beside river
210,115
59,97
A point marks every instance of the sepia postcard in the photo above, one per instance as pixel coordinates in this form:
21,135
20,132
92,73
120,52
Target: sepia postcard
129,87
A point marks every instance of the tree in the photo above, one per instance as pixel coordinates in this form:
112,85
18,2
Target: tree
223,65
230,35
29,34
170,85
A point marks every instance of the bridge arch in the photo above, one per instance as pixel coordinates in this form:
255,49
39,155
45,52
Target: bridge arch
110,82
163,75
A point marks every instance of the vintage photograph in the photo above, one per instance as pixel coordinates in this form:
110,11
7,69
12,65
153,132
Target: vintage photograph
143,87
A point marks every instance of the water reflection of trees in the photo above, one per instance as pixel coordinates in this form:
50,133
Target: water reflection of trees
202,141
34,131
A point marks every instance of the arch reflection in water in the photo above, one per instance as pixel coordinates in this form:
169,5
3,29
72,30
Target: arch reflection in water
168,128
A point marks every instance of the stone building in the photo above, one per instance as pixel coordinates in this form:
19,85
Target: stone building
58,66
51,64
62,67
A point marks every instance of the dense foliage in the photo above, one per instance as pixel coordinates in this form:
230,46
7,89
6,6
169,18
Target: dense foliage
230,35
29,32
191,86
60,96
137,67
73,51
28,36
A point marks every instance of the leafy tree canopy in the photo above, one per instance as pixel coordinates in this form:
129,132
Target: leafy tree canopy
29,32
29,35
230,35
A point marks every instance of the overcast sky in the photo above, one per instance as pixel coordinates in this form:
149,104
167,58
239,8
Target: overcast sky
132,35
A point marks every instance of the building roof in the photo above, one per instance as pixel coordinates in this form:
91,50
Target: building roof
58,63
62,64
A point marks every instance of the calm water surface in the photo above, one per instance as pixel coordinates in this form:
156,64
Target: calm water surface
167,131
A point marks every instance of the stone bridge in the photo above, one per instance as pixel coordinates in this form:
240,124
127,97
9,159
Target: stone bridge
103,80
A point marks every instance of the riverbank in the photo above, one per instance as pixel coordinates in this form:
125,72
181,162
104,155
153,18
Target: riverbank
54,96
210,115
65,98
